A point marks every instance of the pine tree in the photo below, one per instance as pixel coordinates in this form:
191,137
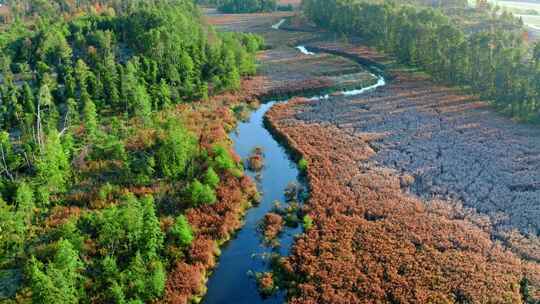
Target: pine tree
136,276
186,68
182,231
82,73
176,149
10,232
157,279
231,75
201,194
110,81
73,117
24,197
134,92
152,238
112,277
90,116
52,168
211,178
59,281
29,100
161,95
141,103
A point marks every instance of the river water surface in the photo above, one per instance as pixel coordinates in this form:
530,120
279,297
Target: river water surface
232,281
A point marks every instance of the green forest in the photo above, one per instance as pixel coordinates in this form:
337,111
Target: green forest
244,6
491,59
97,165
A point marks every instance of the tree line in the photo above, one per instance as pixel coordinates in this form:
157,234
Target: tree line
88,112
494,61
243,6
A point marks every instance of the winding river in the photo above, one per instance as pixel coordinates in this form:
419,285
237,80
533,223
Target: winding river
233,281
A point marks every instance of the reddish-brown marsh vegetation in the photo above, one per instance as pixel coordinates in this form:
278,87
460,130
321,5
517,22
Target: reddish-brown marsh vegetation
211,121
272,225
453,145
371,242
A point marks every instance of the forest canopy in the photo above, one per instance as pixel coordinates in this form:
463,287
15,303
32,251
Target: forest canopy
243,6
98,163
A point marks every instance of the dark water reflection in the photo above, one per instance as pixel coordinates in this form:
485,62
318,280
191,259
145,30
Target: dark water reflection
231,282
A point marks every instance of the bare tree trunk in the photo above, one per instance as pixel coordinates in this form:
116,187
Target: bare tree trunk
38,127
4,164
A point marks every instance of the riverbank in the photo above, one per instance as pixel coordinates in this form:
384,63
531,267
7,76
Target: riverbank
211,121
285,71
386,231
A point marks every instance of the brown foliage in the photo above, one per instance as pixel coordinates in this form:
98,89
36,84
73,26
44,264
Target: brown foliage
373,243
210,122
182,282
272,225
256,160
60,215
202,252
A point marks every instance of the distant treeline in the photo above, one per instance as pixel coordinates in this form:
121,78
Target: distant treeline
493,61
245,6
55,8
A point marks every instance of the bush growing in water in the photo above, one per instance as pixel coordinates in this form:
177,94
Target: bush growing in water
307,222
302,164
256,159
266,284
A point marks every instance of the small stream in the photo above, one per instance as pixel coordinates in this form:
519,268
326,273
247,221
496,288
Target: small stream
232,281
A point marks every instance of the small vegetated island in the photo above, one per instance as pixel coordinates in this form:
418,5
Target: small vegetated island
117,176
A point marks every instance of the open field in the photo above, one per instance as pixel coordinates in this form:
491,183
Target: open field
518,6
284,69
528,11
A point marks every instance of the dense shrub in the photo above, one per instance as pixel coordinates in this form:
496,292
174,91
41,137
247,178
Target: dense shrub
182,231
211,178
200,194
307,222
302,164
245,6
